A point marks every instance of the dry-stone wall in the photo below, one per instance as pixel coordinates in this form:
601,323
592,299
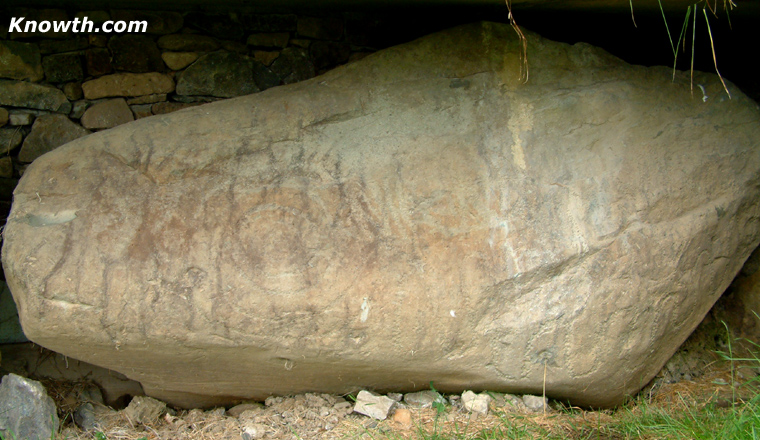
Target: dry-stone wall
58,87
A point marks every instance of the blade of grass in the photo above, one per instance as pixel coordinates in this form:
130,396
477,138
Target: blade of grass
715,59
670,38
681,39
632,17
693,40
731,359
727,6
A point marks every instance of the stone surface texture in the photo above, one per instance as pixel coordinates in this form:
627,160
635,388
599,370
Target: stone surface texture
265,57
179,60
49,132
98,61
142,110
147,99
477,403
84,416
59,46
10,138
30,95
128,84
419,215
20,61
161,108
536,403
423,399
135,53
21,117
403,417
143,409
372,405
6,167
187,43
293,65
26,410
107,114
73,91
221,74
63,67
78,108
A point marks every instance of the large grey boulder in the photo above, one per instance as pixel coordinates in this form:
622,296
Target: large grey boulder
420,215
26,410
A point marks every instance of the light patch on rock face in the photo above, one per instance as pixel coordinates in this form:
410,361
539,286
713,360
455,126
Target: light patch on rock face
579,226
49,219
365,310
520,124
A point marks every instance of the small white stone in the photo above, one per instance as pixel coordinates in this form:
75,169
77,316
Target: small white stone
255,430
377,407
20,119
476,403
